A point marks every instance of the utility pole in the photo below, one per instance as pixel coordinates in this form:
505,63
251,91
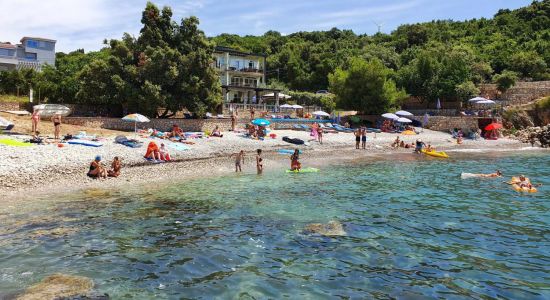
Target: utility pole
379,26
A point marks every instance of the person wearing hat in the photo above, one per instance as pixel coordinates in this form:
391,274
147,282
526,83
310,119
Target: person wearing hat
96,169
419,145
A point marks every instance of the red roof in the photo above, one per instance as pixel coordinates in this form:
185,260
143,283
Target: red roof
7,46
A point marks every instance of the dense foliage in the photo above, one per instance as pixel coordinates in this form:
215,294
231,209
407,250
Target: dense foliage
168,64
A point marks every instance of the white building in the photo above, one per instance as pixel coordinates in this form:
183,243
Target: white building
242,75
33,53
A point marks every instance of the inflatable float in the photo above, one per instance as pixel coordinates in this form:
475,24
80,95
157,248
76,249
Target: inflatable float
440,154
85,143
515,185
304,170
288,151
14,143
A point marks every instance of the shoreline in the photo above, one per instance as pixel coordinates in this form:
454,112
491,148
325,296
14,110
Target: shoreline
215,163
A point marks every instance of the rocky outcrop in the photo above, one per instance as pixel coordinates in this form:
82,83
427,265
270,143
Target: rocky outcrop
533,135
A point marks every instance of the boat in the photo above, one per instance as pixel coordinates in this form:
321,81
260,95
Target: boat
440,154
49,110
5,125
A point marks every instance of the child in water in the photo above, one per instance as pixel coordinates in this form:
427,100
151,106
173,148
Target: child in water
239,160
295,164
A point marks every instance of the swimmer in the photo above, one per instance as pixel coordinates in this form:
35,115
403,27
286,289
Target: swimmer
239,160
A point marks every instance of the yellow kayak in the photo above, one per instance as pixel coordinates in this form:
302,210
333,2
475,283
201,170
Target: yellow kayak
435,153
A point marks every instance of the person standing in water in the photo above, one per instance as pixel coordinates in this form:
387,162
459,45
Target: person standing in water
56,119
239,160
259,161
357,138
320,134
364,138
295,164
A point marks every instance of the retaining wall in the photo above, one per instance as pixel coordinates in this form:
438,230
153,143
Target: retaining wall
160,124
9,106
442,123
521,93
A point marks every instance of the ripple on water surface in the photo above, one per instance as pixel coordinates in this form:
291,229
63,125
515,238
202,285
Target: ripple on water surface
414,229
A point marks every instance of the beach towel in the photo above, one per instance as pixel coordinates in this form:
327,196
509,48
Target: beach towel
178,146
126,142
14,143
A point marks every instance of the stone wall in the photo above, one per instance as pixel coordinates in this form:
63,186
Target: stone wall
442,123
198,125
521,93
9,106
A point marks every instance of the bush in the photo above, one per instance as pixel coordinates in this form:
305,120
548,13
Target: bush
505,80
543,104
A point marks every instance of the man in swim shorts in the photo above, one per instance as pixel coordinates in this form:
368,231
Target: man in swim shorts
239,160
419,145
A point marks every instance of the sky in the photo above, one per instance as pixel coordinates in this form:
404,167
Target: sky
86,23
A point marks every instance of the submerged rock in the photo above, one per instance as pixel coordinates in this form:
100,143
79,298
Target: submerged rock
332,228
58,286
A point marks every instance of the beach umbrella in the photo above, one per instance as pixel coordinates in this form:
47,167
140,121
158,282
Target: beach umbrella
477,99
136,118
321,113
426,120
261,122
286,106
390,116
403,120
403,113
493,126
486,102
296,106
438,104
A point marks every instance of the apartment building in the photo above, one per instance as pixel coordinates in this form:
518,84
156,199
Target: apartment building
32,52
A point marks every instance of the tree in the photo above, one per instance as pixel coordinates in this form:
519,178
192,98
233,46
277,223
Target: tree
505,80
466,90
365,87
528,64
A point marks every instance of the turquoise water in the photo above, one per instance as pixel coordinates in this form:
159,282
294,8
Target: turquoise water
415,230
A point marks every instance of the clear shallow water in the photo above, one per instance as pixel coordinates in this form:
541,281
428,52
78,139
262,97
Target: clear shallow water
415,230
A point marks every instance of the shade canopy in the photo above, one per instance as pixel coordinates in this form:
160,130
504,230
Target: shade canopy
477,99
390,116
321,113
261,122
281,95
403,120
136,118
296,106
286,106
486,102
493,126
403,113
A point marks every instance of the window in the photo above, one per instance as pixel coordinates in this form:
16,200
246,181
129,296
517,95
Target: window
30,56
6,52
32,44
251,65
236,81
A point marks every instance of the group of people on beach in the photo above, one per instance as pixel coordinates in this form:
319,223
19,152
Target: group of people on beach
360,138
295,164
97,170
56,120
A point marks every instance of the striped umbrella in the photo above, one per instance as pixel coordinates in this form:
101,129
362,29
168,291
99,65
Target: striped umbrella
136,118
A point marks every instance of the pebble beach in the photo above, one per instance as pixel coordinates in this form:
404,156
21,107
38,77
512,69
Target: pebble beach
52,168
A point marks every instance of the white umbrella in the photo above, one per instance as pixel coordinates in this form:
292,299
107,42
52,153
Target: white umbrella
477,99
296,106
321,113
281,95
486,102
403,120
390,116
136,118
286,106
403,113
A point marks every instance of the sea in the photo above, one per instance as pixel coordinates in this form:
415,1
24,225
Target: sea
414,230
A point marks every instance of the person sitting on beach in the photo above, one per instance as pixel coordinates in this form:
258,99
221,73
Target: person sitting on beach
295,164
164,155
419,146
116,166
176,132
259,161
216,132
396,142
96,169
260,133
239,160
402,144
36,139
459,140
429,148
153,152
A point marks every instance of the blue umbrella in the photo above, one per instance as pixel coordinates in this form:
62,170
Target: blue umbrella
261,122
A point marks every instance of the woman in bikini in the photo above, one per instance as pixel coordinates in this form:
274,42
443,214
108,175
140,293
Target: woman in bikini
115,168
56,119
96,169
295,164
259,161
35,120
